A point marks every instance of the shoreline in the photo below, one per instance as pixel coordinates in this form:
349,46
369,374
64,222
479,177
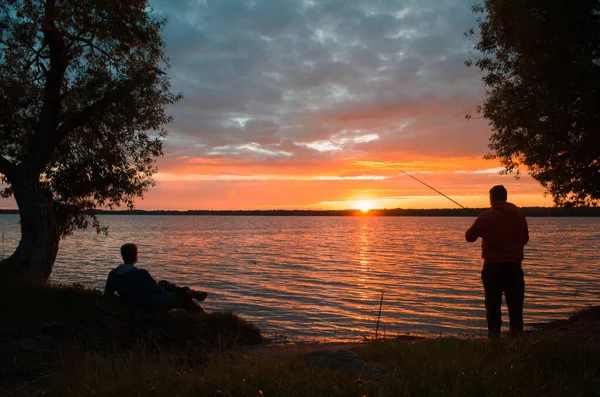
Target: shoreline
73,341
530,329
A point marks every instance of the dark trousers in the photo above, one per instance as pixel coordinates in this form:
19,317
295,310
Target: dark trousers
177,298
504,278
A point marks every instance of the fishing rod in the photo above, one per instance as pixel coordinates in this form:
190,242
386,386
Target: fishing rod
429,186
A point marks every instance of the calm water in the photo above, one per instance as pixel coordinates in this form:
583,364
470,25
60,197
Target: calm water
322,277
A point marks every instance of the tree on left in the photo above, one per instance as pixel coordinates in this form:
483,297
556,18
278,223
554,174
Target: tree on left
84,94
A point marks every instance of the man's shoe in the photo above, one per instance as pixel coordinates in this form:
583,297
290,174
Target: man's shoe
198,295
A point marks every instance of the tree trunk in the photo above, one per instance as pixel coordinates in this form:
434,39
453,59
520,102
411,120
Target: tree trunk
34,257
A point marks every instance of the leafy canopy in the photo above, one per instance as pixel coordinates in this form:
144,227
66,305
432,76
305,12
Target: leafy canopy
540,61
83,94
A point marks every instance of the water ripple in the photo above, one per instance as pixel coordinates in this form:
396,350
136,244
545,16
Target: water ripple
322,277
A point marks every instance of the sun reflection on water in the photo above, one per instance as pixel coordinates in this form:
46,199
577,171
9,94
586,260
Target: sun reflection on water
364,260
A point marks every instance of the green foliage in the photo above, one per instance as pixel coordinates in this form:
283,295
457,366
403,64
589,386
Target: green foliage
541,66
83,93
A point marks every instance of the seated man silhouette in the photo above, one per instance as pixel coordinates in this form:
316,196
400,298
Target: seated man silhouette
139,287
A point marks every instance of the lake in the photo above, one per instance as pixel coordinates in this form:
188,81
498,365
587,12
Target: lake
322,277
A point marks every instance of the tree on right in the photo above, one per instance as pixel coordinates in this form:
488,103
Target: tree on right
540,62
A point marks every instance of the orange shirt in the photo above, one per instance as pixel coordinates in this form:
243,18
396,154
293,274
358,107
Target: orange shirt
503,231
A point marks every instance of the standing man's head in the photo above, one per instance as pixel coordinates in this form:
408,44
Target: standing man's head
498,194
129,252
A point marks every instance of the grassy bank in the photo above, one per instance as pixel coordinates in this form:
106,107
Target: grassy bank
174,355
42,328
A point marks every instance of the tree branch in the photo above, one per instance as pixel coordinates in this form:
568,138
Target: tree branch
90,44
36,58
85,115
51,105
6,167
49,117
98,134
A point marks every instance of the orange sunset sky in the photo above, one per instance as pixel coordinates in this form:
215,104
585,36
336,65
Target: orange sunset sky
307,104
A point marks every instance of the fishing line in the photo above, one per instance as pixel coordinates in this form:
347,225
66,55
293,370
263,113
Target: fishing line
429,186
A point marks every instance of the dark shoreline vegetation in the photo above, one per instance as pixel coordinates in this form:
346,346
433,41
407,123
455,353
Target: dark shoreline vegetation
528,211
73,341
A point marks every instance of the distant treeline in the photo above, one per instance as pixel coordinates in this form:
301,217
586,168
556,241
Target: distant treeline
528,211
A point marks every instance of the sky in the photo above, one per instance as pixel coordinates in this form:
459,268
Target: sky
306,104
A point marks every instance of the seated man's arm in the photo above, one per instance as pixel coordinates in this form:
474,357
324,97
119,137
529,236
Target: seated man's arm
110,289
148,282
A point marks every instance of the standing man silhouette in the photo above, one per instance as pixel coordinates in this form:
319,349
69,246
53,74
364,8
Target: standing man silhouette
504,233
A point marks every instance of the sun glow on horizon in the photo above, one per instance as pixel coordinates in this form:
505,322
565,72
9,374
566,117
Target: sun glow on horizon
364,205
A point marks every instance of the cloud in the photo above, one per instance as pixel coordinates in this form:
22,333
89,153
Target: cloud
284,68
333,191
255,177
292,103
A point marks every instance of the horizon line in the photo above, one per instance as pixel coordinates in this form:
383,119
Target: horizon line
322,210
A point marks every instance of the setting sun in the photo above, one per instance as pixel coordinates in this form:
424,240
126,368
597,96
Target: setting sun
364,205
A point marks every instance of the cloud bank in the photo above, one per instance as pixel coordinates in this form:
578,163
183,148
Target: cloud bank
301,103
